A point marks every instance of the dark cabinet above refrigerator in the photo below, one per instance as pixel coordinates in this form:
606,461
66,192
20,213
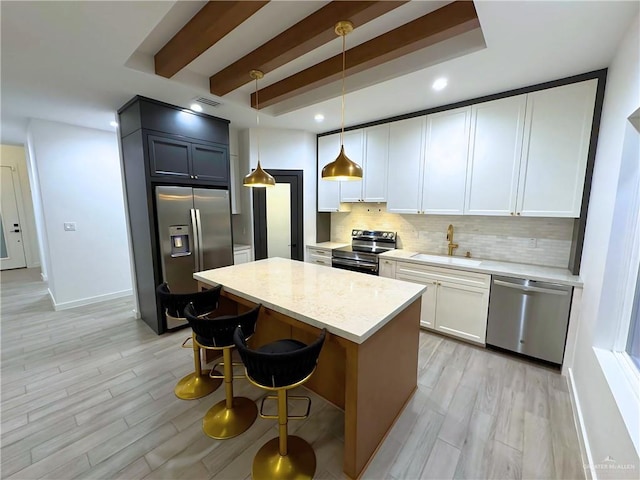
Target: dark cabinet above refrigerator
165,145
171,158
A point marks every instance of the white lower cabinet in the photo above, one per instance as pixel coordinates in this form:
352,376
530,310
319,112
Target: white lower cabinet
387,268
455,303
241,255
461,311
319,255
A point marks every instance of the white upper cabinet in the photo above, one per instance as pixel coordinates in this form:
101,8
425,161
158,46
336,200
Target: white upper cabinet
328,190
556,142
445,165
494,156
406,156
522,155
369,148
528,153
376,160
351,191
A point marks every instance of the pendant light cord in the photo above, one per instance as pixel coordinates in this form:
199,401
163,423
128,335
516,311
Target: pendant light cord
343,68
258,120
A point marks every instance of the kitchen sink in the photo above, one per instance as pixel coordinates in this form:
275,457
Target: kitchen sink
459,261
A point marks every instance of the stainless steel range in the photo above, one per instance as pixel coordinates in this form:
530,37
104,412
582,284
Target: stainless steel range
362,255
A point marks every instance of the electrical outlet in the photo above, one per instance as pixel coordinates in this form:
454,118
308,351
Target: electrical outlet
69,226
533,242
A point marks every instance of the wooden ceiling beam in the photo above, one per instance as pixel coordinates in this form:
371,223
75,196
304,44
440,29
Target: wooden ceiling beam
305,36
215,20
442,24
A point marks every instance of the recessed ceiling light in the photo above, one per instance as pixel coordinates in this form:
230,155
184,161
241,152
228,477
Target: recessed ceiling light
319,117
439,84
113,124
195,107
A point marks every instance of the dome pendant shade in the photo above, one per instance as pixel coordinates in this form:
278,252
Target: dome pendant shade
342,169
259,178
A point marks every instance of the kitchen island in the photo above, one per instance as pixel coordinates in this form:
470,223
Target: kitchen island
368,365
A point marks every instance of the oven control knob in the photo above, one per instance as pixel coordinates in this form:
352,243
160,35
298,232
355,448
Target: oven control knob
384,235
391,235
360,232
354,233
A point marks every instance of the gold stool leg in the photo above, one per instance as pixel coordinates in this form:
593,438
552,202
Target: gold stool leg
233,415
197,384
286,457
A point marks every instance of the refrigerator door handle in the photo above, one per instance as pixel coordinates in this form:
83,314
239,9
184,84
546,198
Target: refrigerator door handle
199,240
196,238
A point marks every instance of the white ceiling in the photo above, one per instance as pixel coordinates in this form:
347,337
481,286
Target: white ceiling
78,62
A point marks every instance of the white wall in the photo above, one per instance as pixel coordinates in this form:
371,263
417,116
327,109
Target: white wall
284,150
77,178
14,156
605,429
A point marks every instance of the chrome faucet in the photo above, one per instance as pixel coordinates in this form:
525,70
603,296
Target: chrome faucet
452,246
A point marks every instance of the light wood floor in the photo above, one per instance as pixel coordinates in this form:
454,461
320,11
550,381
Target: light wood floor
88,393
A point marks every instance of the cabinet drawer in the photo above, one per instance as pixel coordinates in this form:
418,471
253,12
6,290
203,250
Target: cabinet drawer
408,271
320,260
319,252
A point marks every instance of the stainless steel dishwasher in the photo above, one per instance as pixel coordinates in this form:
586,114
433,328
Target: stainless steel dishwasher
529,317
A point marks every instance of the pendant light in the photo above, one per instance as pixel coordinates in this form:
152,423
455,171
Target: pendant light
258,178
342,168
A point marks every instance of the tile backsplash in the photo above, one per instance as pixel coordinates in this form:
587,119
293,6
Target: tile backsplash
537,241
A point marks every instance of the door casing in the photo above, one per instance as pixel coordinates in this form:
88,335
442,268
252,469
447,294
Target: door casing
295,179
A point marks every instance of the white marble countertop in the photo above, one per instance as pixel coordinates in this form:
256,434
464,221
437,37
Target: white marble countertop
348,304
518,270
238,247
329,245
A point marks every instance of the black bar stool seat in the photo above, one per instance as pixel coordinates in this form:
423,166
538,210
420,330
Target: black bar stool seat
280,366
233,415
198,383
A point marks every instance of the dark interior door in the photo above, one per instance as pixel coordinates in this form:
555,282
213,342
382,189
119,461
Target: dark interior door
260,223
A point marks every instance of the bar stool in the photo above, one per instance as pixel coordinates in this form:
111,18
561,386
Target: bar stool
233,415
280,366
197,384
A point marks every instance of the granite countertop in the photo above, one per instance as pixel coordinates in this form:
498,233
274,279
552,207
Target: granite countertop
349,304
518,270
329,245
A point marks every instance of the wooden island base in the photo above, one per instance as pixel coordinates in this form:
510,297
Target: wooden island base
371,381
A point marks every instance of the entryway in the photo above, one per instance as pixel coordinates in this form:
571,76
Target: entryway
11,242
278,217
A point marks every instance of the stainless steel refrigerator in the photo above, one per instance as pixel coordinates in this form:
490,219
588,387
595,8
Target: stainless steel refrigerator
194,234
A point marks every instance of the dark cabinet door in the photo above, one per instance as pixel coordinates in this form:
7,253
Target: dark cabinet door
210,163
169,157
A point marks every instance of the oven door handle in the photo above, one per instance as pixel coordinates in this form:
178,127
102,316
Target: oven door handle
354,263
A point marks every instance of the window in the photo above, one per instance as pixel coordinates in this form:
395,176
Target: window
633,339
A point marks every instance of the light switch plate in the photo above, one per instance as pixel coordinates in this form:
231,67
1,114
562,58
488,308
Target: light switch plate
533,242
69,226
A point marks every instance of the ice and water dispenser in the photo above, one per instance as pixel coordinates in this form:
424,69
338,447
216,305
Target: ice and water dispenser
179,235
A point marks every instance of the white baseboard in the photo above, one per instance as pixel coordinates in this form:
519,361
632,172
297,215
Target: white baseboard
89,300
53,300
44,279
578,419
